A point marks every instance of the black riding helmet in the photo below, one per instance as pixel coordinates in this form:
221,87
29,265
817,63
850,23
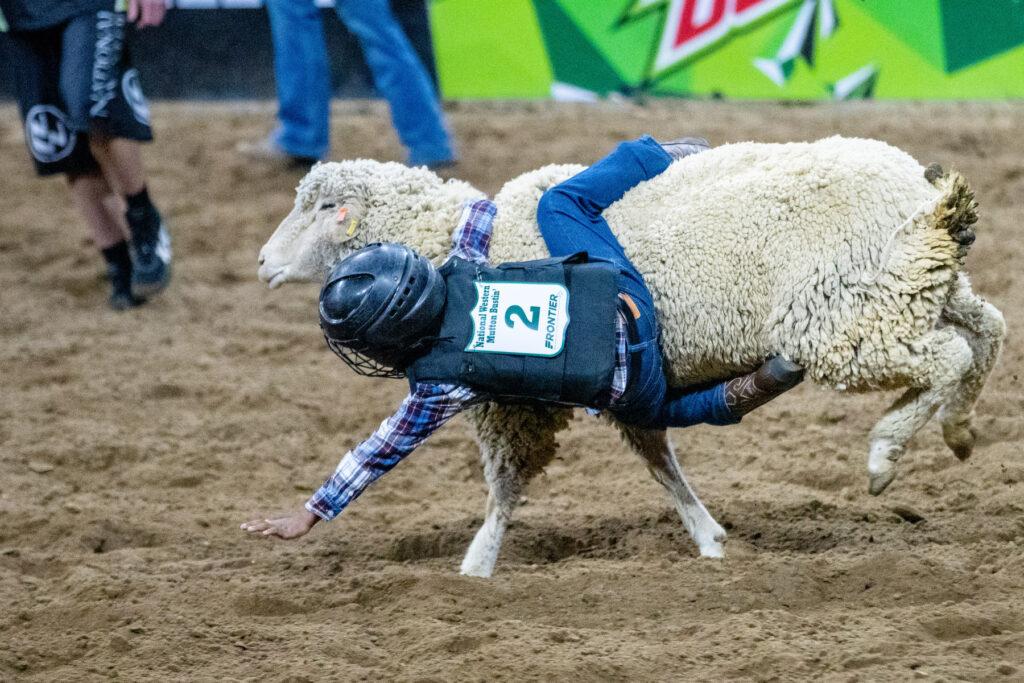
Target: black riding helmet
380,307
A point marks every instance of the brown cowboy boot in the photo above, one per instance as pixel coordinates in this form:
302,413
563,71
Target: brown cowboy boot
775,376
684,147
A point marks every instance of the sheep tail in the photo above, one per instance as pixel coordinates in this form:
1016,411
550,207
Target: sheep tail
956,211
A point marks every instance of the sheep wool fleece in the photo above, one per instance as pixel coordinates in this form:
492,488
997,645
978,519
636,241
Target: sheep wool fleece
835,253
824,252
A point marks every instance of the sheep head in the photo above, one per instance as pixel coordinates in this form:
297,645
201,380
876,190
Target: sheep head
328,206
343,206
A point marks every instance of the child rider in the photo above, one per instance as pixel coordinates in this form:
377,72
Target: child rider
575,329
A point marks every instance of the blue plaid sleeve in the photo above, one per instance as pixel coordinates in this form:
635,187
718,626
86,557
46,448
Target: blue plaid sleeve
422,412
472,238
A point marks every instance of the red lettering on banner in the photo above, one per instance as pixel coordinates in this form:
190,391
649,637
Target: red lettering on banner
689,29
693,25
743,5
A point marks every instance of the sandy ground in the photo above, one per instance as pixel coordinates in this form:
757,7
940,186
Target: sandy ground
133,444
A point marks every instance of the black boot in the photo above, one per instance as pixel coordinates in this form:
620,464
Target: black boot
151,246
684,147
119,273
776,376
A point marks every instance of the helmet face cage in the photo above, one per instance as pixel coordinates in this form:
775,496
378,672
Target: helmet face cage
380,307
363,364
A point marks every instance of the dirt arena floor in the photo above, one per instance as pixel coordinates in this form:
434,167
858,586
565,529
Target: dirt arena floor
133,444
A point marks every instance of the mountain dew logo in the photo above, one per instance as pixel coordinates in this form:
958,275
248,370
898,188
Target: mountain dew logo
693,28
746,49
693,25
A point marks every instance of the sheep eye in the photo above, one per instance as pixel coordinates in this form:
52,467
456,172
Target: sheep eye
329,205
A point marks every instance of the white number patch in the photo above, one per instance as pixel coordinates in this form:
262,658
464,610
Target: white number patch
528,319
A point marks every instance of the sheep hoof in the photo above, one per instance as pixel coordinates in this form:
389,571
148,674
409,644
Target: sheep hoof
960,438
963,452
713,550
479,572
882,461
879,481
713,547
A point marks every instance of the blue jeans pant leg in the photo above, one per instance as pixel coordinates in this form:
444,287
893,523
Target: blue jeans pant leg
570,220
400,78
687,407
649,401
570,213
302,76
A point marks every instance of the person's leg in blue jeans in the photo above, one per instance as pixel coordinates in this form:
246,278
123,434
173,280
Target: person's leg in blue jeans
401,78
303,78
570,220
570,213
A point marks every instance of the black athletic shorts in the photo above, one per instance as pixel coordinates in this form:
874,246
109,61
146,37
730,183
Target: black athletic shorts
75,78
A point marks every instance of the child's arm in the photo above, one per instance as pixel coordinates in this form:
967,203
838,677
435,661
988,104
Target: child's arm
424,411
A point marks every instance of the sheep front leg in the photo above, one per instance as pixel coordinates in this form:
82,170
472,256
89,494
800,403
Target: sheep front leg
655,448
516,443
982,325
482,554
934,367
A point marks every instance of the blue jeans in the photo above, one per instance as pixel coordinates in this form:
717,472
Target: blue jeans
304,84
570,221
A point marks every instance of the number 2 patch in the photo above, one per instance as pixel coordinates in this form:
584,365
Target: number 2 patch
528,319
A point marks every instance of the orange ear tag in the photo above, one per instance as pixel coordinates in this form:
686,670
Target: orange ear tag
342,215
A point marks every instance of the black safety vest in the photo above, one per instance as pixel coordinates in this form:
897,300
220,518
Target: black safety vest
573,368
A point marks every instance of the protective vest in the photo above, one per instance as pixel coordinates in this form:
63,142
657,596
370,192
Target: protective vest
536,330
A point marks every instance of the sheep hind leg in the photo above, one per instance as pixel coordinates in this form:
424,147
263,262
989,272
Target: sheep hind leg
516,443
982,325
655,448
934,367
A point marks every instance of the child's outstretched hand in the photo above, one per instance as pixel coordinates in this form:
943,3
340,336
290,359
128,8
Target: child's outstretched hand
286,528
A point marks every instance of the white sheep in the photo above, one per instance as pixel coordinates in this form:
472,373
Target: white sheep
842,254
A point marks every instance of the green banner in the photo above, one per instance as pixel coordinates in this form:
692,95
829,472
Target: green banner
743,49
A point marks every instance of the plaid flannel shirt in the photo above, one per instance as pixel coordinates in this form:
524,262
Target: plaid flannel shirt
428,406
